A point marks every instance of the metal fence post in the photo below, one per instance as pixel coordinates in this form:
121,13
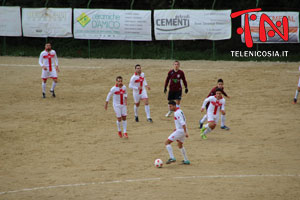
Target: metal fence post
4,38
89,41
131,42
172,42
214,45
46,4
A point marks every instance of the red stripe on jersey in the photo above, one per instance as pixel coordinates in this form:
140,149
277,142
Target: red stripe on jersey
216,104
121,93
175,118
141,80
49,56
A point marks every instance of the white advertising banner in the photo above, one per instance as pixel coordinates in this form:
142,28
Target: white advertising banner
110,24
293,26
192,24
47,22
10,21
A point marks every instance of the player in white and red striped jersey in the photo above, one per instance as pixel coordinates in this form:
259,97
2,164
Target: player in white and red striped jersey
297,91
213,93
217,104
49,63
139,84
120,104
179,134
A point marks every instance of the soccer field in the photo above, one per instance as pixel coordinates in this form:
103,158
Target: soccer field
68,148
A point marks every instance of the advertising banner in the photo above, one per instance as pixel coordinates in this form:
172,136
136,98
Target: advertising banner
47,22
192,24
292,26
10,21
107,24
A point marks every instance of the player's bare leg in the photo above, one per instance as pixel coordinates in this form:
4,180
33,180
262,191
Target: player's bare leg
44,81
124,126
207,129
147,110
296,95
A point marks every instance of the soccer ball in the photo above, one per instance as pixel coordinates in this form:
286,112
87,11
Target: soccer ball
158,163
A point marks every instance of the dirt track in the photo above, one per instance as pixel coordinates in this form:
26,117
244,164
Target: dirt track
71,139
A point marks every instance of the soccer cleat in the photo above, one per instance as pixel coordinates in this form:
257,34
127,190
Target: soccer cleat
201,125
204,137
225,128
125,135
44,95
168,114
295,101
171,160
120,134
150,120
53,93
185,162
136,118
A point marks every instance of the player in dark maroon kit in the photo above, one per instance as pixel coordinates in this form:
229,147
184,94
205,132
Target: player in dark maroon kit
175,90
213,93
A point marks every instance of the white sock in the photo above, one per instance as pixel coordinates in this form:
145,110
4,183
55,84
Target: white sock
119,126
53,86
184,154
177,106
44,87
296,96
170,150
207,130
223,120
135,108
147,110
124,126
203,119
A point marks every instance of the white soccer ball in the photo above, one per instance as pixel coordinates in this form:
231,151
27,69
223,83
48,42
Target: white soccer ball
158,163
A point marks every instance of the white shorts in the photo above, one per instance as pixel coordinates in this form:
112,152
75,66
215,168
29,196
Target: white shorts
47,74
137,97
299,82
177,135
213,118
120,110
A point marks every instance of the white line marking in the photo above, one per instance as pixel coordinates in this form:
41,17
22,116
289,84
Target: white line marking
16,65
147,179
101,67
64,66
